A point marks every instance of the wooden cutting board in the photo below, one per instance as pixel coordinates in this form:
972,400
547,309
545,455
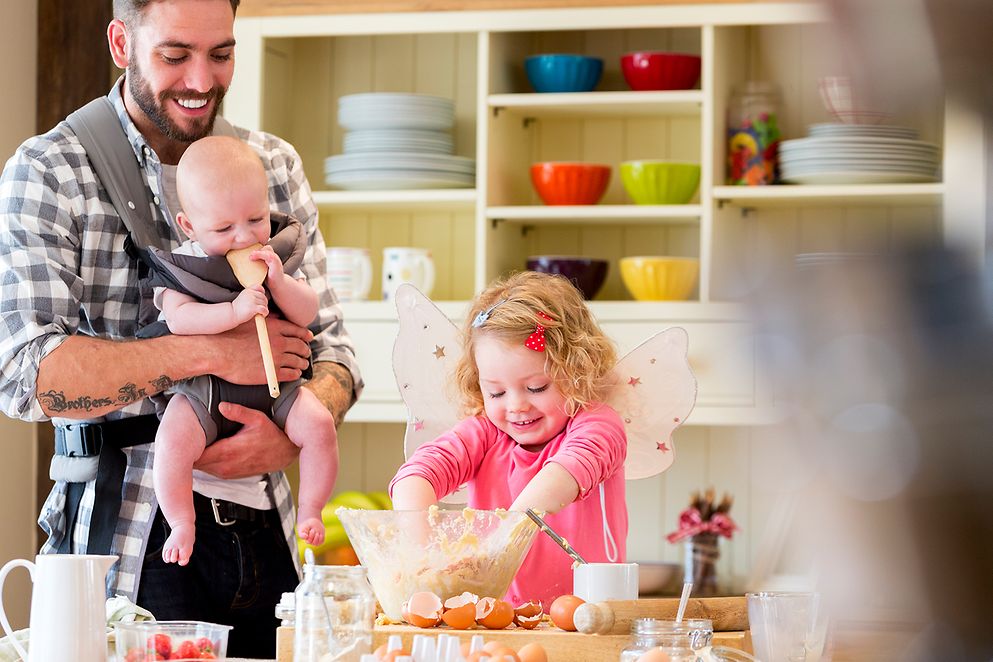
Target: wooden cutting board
561,646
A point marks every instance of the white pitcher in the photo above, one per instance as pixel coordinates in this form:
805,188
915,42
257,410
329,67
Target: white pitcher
349,272
405,264
68,607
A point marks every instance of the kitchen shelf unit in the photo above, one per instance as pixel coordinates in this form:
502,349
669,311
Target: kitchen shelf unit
292,70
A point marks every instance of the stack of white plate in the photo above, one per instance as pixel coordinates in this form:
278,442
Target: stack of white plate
858,154
397,141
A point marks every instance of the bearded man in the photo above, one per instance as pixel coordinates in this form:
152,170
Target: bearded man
71,299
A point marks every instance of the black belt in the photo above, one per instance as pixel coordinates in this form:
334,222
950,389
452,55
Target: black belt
106,440
227,513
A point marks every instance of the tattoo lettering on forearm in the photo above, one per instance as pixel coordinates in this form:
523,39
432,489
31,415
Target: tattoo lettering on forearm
56,401
163,383
130,393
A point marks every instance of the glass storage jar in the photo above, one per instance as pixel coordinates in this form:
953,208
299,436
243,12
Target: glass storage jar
679,641
753,134
334,614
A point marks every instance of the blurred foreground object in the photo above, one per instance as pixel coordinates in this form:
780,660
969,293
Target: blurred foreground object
884,361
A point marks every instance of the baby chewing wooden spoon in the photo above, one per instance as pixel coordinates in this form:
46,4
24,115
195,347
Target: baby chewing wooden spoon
250,273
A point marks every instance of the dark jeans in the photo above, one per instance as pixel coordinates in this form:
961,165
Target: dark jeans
236,576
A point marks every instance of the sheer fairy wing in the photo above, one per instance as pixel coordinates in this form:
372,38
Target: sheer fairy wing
654,393
425,353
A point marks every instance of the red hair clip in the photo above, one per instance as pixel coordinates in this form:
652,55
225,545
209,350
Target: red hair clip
536,341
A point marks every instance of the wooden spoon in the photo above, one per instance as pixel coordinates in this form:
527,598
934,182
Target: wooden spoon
250,273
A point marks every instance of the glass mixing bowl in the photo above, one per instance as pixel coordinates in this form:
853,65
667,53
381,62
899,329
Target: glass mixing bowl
446,552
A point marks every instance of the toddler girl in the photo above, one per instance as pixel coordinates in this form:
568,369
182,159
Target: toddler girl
533,376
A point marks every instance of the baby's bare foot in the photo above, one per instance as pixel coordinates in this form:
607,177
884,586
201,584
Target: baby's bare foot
311,530
179,545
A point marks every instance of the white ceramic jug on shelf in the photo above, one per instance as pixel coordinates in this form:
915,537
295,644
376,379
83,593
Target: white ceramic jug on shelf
404,264
68,607
349,272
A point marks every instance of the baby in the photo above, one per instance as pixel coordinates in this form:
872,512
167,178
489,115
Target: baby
223,192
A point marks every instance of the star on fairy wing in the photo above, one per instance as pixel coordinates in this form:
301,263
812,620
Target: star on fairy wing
425,354
654,392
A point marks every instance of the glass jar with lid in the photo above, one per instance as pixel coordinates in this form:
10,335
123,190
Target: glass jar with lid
680,641
753,134
334,614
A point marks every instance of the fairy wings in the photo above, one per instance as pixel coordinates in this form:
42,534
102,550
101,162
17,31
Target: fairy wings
654,390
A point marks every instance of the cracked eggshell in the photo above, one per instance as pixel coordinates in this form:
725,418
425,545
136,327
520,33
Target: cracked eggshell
529,610
424,609
460,618
494,614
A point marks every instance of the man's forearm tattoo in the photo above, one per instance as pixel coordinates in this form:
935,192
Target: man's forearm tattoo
57,401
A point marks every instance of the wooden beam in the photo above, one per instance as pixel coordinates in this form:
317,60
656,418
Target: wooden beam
308,7
73,57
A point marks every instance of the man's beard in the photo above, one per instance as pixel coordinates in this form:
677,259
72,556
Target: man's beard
154,108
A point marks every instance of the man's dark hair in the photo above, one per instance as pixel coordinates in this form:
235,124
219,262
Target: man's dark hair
129,11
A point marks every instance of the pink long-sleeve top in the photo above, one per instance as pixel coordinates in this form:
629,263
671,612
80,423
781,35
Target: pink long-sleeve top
591,448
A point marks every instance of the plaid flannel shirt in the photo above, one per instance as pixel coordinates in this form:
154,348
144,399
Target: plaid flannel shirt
63,271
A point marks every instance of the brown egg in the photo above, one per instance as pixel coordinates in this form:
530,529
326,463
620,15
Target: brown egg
494,614
532,652
654,655
424,609
380,652
460,618
504,654
394,654
562,611
491,646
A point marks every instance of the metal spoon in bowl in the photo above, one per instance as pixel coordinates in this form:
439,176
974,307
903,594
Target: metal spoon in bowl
559,540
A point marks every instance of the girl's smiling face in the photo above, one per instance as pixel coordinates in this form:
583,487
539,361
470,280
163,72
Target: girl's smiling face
518,397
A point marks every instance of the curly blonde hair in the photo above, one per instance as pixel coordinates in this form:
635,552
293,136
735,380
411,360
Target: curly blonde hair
579,357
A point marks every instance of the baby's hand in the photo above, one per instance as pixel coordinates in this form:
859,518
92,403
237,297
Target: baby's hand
272,261
251,302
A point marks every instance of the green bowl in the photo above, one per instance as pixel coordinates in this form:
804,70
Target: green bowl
660,182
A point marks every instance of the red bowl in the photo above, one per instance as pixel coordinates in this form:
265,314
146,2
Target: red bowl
658,70
564,183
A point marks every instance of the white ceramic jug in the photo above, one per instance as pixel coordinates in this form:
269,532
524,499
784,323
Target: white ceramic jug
68,607
405,264
349,272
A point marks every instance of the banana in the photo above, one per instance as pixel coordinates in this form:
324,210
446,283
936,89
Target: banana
383,499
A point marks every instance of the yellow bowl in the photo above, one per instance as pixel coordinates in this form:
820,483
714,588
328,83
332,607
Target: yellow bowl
650,278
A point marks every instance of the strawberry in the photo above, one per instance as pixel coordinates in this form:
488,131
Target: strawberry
207,655
161,644
186,651
205,645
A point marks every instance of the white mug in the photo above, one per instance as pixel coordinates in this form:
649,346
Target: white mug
349,272
407,265
596,582
68,607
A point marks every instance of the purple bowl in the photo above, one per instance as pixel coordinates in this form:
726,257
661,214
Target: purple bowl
587,274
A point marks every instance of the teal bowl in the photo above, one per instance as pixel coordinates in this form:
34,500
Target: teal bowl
660,182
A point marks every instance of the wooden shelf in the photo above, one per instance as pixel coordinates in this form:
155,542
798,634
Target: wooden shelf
457,199
590,214
598,104
790,195
605,311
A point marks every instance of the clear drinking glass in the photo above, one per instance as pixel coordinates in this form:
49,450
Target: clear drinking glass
334,614
787,627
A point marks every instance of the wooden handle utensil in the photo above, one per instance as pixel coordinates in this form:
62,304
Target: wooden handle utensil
250,273
616,616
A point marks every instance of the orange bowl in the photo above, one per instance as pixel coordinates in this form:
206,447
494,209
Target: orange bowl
564,183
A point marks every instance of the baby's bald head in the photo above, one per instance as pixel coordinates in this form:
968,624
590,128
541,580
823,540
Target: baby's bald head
214,164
